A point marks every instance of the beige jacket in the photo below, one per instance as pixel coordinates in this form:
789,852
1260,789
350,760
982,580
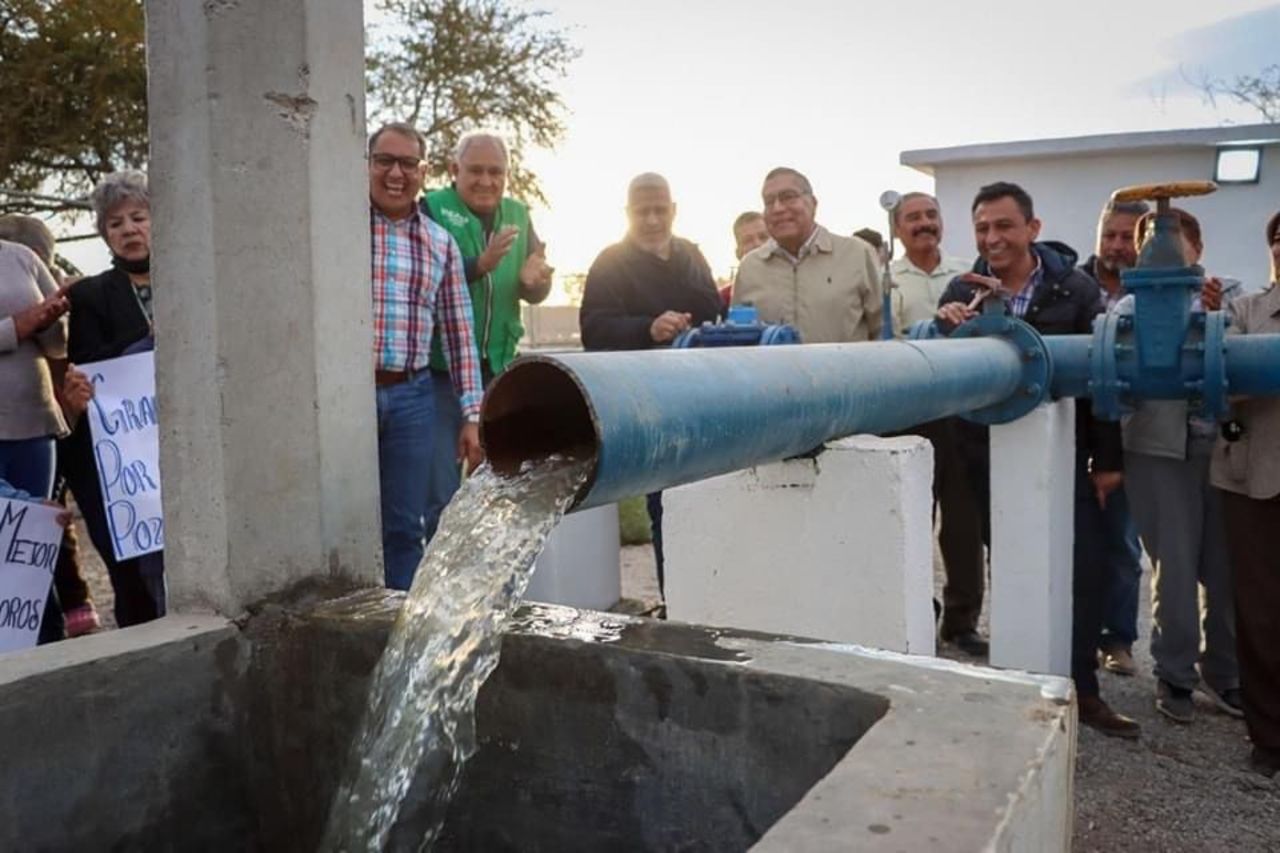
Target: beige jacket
27,405
1251,466
831,296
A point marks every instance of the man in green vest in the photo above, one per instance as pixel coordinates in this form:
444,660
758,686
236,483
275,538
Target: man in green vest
504,262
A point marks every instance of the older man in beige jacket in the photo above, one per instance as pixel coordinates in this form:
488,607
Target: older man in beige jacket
828,287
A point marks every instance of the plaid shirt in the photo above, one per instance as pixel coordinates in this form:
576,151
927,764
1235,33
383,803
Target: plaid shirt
1021,300
417,282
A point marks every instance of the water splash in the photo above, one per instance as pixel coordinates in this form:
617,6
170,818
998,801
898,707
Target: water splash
419,729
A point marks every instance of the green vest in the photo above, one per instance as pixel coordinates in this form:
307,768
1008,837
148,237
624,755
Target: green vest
495,298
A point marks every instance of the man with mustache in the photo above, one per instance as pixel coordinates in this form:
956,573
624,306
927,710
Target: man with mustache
1116,251
920,278
1037,281
828,287
418,287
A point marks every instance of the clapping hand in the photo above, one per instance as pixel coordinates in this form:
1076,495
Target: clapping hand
500,242
31,321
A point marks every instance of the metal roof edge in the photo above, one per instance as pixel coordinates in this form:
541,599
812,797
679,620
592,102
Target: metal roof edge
925,159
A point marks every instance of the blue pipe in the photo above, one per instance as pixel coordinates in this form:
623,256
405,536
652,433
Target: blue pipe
1070,364
1253,364
658,419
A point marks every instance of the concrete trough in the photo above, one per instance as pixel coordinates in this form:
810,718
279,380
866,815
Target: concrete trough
596,732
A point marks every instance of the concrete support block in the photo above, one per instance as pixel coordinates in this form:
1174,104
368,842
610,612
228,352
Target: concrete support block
261,258
838,547
579,566
1032,531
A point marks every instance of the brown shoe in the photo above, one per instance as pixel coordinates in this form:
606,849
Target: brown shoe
1120,661
1098,715
1265,761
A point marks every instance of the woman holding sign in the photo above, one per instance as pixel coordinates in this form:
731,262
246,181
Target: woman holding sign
111,316
33,333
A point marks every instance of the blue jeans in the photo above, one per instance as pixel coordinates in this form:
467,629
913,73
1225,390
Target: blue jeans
445,475
404,464
1124,559
28,464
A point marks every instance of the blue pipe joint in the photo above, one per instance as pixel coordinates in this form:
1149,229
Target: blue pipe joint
741,328
1037,364
924,330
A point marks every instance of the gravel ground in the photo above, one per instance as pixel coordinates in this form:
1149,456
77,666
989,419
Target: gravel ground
1179,788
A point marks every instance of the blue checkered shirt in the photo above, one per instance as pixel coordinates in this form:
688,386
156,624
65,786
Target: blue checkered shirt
1021,300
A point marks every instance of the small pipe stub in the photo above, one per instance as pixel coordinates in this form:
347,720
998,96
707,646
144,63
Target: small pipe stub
1037,366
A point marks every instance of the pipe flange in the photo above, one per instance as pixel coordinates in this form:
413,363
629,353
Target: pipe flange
1214,400
1105,385
686,339
1037,366
778,335
923,330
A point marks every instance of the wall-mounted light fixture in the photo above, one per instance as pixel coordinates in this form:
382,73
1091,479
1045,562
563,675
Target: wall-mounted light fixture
1237,165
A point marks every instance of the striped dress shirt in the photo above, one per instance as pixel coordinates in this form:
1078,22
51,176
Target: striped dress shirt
418,281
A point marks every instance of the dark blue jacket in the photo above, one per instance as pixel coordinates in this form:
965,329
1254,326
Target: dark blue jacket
1065,303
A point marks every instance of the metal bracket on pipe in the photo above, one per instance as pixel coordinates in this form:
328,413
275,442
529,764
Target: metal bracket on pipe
1037,366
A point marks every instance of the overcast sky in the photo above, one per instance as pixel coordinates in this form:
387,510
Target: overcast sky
713,93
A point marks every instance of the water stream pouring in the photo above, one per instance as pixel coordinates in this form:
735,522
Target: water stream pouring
418,729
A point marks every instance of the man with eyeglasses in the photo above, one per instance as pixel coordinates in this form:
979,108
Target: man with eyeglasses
644,291
828,287
418,287
504,262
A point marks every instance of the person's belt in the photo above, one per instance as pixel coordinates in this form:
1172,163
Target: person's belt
393,377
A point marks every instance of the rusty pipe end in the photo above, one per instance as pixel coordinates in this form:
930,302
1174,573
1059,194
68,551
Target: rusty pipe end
534,409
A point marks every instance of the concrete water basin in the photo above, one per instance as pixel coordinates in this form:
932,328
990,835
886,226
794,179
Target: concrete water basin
596,732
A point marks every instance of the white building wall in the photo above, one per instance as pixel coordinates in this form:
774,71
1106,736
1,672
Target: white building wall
1069,192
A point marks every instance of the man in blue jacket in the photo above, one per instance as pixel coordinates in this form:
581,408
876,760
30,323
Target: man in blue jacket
1040,284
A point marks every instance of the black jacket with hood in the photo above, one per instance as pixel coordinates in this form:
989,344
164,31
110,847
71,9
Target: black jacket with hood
1065,303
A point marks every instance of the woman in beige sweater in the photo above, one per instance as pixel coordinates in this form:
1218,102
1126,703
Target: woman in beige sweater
32,333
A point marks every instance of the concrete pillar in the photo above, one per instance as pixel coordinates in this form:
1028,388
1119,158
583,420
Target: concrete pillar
839,547
261,263
1032,530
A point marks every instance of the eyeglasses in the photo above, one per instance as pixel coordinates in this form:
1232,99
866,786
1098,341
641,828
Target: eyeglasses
384,162
783,197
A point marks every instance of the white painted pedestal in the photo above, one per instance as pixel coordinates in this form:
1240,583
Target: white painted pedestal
1032,531
837,548
579,566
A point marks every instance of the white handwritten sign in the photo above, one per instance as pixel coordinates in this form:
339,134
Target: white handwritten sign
29,540
126,450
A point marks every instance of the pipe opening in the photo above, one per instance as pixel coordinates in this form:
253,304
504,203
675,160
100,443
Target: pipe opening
536,408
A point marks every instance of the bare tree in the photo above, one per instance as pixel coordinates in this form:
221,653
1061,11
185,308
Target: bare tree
449,66
1260,91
